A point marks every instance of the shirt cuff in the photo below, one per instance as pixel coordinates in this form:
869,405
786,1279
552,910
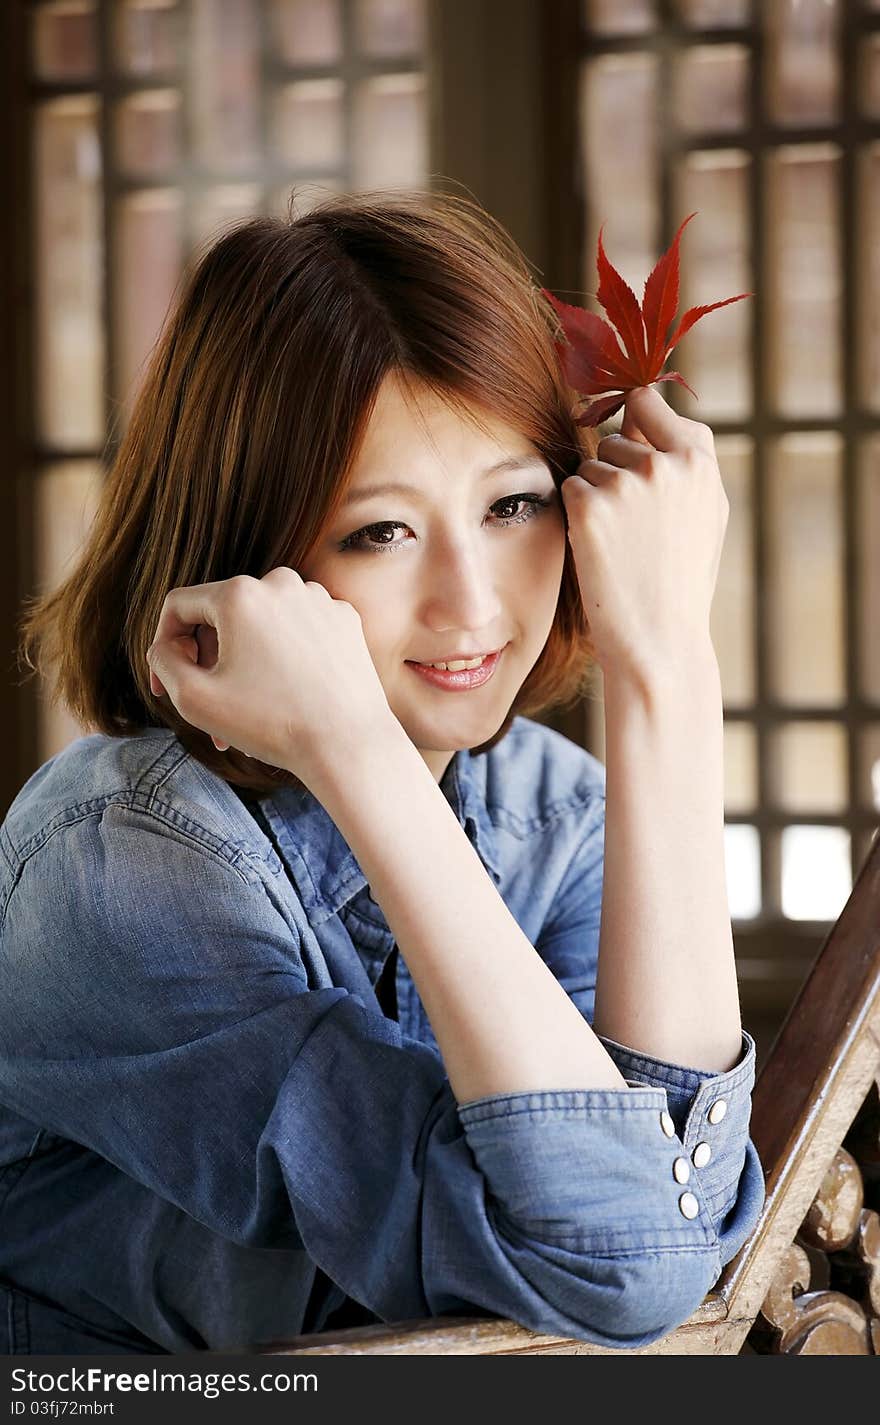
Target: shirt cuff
591,1169
685,1086
709,1112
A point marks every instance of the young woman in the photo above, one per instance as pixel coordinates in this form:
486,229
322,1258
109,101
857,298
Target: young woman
328,992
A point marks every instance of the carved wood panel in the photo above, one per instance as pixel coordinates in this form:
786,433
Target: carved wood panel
825,1296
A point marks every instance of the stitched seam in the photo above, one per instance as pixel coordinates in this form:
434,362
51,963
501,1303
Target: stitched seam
168,771
359,915
581,1241
576,1111
198,836
8,850
519,826
656,1068
136,800
525,733
10,889
164,815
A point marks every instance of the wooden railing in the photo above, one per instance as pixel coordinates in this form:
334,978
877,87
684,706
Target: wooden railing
807,1281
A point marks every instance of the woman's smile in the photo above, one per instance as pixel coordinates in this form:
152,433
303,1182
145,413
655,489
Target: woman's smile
458,680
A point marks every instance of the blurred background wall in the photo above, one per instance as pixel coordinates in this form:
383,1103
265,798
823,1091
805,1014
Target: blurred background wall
134,129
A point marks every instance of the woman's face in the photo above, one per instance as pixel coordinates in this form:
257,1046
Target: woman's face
460,559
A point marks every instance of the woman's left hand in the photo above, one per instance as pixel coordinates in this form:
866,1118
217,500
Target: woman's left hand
646,522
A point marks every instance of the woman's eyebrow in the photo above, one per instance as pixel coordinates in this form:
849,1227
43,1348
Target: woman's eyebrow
509,463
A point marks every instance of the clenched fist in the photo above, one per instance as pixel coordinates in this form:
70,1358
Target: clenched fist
275,667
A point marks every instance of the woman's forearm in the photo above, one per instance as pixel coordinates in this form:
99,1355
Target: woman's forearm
666,982
502,1021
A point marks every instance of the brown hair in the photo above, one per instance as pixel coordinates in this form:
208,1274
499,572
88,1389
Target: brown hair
250,414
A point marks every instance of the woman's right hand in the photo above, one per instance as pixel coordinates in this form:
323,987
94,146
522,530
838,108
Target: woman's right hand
275,667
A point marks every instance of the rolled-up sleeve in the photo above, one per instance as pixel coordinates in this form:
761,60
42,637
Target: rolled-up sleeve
643,1192
709,1112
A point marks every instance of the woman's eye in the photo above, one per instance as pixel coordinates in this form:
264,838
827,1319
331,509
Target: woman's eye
363,539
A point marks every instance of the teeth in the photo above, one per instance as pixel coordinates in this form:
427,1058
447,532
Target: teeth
457,666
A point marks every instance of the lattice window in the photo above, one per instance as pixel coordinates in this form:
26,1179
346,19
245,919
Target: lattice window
765,118
154,123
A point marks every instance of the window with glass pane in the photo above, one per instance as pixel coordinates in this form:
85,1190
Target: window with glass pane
749,116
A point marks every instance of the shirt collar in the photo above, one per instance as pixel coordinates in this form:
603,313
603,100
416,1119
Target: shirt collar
328,875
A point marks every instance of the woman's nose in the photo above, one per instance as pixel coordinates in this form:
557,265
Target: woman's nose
463,594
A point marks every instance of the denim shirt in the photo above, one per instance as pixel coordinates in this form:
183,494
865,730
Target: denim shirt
214,1135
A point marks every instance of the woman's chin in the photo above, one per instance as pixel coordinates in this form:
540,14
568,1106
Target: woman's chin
452,732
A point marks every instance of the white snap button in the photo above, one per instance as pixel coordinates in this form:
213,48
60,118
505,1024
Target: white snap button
667,1124
681,1170
717,1111
701,1155
688,1205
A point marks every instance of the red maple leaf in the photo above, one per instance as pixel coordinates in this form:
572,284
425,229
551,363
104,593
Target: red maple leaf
608,358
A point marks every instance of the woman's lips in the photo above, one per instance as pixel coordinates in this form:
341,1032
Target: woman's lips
463,680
